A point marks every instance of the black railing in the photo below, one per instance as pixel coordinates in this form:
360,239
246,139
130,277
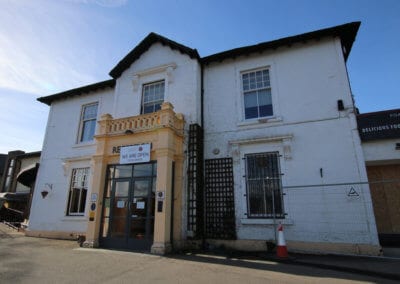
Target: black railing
11,217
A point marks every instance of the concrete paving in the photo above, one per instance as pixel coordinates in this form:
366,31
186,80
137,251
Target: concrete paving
35,260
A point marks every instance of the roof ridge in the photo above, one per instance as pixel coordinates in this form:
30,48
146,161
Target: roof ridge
347,32
144,45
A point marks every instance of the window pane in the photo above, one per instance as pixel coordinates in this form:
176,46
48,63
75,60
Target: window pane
141,188
123,171
142,170
264,97
256,200
121,189
90,112
82,201
265,102
148,109
250,105
74,200
88,130
157,106
265,78
250,99
266,110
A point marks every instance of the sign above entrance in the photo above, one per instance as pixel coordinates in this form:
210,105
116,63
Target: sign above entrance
135,154
379,125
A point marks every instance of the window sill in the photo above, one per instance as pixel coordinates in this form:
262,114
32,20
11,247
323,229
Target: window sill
258,121
249,221
84,144
72,218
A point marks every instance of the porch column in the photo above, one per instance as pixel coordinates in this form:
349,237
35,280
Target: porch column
93,228
162,220
98,167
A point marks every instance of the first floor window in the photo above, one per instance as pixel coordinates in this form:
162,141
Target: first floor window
263,184
78,191
153,97
88,122
257,94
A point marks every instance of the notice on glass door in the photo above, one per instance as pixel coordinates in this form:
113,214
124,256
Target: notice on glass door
120,204
140,205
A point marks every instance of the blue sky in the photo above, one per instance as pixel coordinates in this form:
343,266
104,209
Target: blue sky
49,46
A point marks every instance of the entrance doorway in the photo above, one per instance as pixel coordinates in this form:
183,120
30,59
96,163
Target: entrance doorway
128,207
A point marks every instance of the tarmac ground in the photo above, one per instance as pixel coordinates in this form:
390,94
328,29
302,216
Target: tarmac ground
35,260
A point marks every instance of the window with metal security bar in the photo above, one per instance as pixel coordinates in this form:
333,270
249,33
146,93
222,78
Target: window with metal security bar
263,185
78,191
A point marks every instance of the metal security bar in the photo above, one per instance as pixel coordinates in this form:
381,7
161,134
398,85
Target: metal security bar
195,182
264,189
220,202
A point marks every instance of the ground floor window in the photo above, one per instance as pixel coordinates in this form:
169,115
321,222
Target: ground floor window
78,191
263,185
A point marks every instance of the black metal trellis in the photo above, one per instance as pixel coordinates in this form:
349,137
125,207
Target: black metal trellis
195,181
220,204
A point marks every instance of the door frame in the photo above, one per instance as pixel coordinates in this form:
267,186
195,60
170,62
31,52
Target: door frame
127,242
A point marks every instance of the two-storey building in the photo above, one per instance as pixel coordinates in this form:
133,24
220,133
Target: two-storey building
179,150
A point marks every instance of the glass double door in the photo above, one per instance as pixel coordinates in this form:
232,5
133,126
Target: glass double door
128,215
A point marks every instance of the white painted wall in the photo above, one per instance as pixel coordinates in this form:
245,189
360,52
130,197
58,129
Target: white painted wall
60,154
306,81
381,152
182,87
307,129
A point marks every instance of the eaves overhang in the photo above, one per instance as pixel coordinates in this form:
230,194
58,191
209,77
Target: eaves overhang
347,34
77,91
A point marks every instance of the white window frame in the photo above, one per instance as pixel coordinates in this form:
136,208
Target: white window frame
154,101
79,183
256,89
83,120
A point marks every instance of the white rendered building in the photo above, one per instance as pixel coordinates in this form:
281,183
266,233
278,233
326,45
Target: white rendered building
179,150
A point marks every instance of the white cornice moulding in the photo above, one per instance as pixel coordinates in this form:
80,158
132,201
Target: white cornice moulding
285,140
154,70
261,140
167,68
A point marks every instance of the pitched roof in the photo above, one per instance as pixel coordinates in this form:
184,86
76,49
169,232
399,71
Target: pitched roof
77,91
143,46
346,32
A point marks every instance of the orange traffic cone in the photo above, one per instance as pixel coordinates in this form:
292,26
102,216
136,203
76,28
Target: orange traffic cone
281,250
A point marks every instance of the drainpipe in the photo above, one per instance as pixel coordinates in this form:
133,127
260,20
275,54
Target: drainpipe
202,94
203,235
172,207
